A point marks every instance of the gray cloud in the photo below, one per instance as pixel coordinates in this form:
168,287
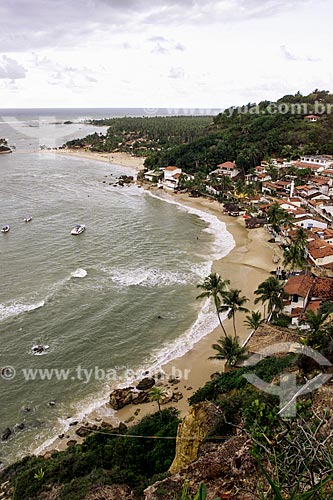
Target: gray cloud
176,73
293,57
29,25
164,45
11,69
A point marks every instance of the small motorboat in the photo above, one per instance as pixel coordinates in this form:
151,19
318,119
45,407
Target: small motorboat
5,228
40,349
27,218
78,229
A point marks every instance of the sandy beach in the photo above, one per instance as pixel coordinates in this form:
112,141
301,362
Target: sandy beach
123,159
246,266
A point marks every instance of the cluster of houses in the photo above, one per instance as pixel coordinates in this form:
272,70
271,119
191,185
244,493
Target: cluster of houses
310,206
168,177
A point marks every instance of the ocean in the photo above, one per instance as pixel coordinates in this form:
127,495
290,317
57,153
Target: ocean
111,303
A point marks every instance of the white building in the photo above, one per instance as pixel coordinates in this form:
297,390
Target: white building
170,177
227,168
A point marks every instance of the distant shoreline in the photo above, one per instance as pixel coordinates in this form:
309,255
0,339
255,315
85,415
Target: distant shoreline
123,159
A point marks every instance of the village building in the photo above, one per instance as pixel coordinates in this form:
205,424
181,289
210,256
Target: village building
320,253
227,168
170,178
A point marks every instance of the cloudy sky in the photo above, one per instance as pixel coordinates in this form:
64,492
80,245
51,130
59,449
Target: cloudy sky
162,53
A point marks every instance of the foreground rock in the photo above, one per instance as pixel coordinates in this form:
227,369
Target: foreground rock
228,471
191,434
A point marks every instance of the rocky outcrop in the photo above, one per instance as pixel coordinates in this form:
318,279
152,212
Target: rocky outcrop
145,384
228,471
191,433
121,397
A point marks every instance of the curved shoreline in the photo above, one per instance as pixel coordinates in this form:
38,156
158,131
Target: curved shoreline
244,265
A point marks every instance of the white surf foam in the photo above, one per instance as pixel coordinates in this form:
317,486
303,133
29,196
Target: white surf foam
79,273
224,241
16,308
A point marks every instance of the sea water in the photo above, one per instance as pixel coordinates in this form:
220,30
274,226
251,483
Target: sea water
109,304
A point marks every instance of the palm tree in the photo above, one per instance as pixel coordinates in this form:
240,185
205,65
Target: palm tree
215,287
315,320
271,291
301,239
276,214
254,320
156,394
294,257
228,348
232,303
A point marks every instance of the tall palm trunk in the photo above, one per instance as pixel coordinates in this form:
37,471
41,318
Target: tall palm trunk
234,323
221,323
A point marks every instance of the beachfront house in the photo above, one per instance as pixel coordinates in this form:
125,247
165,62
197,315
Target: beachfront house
153,175
170,178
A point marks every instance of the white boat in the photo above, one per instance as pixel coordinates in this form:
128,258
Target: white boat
5,228
27,218
78,229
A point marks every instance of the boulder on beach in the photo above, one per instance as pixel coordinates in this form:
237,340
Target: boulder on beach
145,384
120,398
167,397
140,397
85,430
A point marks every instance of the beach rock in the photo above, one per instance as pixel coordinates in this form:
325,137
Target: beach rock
173,381
177,396
83,431
61,436
120,398
167,397
72,424
140,397
129,420
18,427
122,428
136,413
106,425
6,434
145,384
190,388
71,442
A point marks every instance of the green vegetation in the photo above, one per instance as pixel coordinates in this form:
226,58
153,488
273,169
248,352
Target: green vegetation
233,302
270,291
228,348
247,135
214,286
102,459
252,133
266,369
140,134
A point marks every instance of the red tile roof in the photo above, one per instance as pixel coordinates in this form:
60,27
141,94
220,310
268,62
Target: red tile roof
227,164
319,249
171,169
323,288
299,285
